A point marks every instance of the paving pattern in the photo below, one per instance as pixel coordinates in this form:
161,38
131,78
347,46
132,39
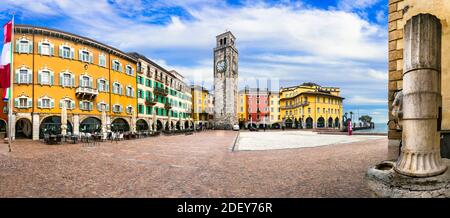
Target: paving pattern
199,165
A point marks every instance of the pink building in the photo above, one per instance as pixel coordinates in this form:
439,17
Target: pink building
258,107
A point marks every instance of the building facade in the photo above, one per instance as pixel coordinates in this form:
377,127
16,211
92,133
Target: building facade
163,98
242,108
97,87
274,113
310,106
225,81
202,107
258,107
55,69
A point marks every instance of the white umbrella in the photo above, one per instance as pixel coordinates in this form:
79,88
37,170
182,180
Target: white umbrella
154,120
133,121
64,119
104,119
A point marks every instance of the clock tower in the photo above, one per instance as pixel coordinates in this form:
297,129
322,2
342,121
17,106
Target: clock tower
225,81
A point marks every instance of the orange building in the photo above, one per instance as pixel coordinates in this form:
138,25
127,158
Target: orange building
52,68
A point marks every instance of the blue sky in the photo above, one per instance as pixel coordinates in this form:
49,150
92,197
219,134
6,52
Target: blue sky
340,43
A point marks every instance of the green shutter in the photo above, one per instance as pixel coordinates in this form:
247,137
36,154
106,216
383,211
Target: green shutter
51,79
16,102
60,82
39,77
30,47
39,48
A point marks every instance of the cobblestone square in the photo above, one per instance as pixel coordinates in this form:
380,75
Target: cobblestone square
199,165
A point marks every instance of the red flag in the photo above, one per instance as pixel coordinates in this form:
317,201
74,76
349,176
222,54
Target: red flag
5,76
7,32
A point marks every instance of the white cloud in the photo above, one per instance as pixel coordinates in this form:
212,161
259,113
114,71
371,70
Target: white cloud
365,100
377,75
295,43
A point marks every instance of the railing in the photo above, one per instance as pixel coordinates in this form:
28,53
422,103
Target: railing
150,101
86,92
161,91
305,103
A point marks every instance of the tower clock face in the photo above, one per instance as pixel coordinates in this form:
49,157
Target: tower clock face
221,66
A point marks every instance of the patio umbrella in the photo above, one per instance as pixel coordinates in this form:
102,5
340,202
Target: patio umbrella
154,120
133,121
104,119
63,120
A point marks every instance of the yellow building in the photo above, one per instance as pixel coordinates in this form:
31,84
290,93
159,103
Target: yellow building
242,108
202,107
54,68
274,98
310,106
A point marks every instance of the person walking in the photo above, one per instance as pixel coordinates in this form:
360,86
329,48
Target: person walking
350,129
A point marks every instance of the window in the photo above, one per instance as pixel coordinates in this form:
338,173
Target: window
45,48
66,79
117,108
24,46
23,102
309,110
102,60
140,93
86,105
129,70
45,103
85,56
117,88
129,91
85,81
116,65
66,51
45,78
129,109
102,105
23,76
70,104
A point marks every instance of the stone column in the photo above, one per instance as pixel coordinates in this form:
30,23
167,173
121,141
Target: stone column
76,124
420,154
35,129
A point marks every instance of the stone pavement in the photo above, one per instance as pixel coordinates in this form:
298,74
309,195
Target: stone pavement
199,165
293,139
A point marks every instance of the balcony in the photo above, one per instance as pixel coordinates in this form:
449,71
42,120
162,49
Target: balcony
161,91
167,106
86,92
150,101
140,70
288,107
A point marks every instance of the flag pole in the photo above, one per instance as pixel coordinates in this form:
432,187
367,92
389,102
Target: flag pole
11,87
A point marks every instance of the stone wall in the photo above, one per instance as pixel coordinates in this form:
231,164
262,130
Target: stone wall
395,28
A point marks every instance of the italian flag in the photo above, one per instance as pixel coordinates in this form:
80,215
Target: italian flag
5,61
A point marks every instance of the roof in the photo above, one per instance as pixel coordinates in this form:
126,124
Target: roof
21,28
140,56
316,93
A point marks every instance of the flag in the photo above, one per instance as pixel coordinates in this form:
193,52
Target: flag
5,61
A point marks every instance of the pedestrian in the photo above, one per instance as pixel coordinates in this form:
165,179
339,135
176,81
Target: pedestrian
350,130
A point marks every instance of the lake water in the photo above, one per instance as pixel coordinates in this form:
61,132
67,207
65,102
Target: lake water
379,128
